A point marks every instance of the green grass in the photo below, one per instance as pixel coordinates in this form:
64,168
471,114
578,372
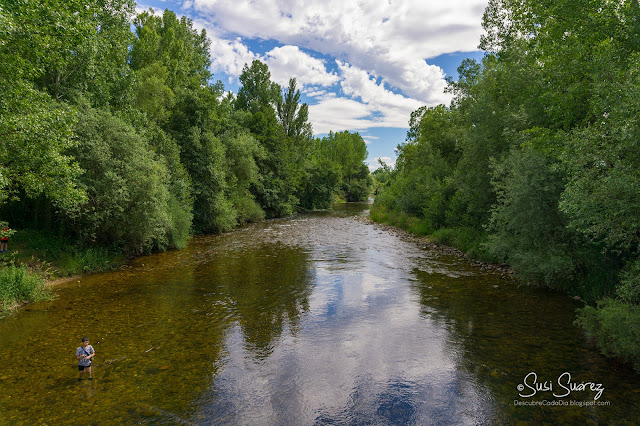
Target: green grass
397,219
59,257
19,285
467,240
36,256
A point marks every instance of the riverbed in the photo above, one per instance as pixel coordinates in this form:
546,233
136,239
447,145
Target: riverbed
315,319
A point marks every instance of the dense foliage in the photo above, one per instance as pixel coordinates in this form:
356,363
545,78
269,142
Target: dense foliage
121,139
537,157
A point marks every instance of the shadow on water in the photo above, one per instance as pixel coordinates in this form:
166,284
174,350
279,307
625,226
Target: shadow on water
314,319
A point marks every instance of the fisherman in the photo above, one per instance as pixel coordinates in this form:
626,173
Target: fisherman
84,355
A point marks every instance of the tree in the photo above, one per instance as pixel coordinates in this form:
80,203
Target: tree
280,167
174,43
347,151
527,230
171,61
126,184
241,156
61,49
257,91
70,47
293,117
539,156
37,133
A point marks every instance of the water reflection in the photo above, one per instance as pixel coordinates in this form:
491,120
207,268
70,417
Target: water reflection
318,319
505,332
263,286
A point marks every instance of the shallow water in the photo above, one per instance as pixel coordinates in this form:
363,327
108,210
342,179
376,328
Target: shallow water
317,319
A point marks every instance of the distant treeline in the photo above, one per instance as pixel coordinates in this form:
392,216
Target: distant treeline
120,139
536,162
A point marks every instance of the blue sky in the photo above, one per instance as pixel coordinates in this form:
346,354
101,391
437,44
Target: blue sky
360,65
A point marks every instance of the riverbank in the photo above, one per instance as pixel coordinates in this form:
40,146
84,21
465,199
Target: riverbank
428,242
45,260
623,350
413,233
38,261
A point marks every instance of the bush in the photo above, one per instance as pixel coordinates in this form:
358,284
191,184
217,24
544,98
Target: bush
18,285
615,325
468,240
248,210
526,229
629,289
321,184
58,255
82,260
420,226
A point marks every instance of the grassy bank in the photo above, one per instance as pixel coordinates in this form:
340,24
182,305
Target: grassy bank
36,257
56,257
467,240
19,285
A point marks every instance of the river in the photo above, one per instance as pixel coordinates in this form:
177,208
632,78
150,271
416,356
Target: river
315,319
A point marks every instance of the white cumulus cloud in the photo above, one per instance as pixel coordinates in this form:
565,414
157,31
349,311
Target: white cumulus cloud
229,56
381,73
389,39
289,61
338,114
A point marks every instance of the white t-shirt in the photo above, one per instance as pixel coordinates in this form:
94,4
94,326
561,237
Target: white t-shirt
84,351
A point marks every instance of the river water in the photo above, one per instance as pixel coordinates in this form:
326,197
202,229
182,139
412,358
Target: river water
316,319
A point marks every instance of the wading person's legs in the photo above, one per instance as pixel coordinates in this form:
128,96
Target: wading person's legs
82,370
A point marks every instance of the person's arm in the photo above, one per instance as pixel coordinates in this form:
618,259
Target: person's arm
79,356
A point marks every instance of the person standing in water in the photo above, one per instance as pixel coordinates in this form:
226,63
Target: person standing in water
84,355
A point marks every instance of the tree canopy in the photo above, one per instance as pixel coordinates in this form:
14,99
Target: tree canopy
123,139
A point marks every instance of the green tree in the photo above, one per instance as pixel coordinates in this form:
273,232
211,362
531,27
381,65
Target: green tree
242,154
203,154
183,51
63,49
293,116
422,184
538,154
37,132
171,61
257,91
279,169
527,229
126,184
70,47
348,152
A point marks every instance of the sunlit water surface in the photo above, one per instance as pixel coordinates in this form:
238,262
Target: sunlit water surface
316,319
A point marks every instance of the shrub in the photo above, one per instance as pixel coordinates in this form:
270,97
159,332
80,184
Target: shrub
615,325
18,285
